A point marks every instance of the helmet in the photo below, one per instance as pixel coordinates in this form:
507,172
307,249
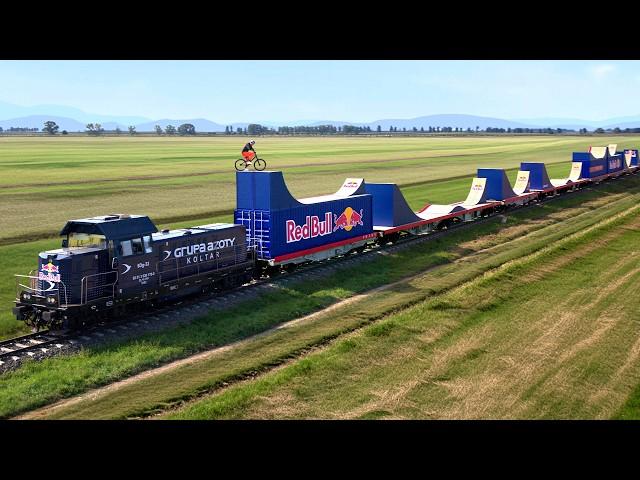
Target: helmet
252,142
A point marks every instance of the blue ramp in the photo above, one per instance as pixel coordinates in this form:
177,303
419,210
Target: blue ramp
263,191
497,186
538,177
390,208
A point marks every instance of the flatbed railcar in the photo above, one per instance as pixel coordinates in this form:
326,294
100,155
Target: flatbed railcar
116,263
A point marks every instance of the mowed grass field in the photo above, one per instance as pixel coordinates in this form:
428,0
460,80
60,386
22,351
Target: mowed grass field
190,181
454,337
520,292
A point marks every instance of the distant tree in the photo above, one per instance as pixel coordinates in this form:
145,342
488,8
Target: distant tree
226,130
64,132
599,130
158,129
254,129
50,127
94,129
617,130
379,129
1,130
239,130
132,130
118,131
170,130
186,129
415,129
477,128
422,129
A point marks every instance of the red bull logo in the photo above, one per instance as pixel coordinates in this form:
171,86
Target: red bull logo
347,219
49,268
49,272
313,227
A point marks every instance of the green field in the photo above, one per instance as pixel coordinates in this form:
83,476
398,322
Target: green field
186,181
441,266
453,338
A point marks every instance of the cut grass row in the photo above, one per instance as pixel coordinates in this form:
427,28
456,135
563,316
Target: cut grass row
462,256
550,335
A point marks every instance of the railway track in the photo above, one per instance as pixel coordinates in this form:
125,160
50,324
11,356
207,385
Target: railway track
37,346
30,346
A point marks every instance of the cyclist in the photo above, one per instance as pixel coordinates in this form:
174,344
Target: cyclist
248,152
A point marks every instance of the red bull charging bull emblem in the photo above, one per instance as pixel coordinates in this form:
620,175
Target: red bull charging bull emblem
49,272
347,220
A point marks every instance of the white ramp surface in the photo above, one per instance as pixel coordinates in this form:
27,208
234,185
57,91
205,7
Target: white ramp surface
598,152
522,182
476,194
574,176
627,159
348,188
576,169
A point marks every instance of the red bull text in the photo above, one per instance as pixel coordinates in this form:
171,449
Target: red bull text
314,227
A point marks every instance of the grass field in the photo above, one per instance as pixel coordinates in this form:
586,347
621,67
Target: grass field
451,339
441,265
185,181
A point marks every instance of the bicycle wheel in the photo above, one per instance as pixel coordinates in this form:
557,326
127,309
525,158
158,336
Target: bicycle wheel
240,164
259,164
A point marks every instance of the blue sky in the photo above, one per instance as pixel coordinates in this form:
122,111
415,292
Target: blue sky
354,91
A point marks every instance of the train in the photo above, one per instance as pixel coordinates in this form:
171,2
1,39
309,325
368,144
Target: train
114,264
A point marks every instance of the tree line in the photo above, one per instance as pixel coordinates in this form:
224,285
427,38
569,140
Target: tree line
257,129
52,128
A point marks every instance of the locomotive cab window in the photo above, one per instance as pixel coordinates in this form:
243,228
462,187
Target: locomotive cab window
125,249
135,246
147,244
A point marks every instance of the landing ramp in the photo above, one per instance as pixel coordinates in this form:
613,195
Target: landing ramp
497,186
574,175
538,177
350,187
522,184
390,208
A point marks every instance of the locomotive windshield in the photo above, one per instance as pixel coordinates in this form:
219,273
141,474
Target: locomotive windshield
76,239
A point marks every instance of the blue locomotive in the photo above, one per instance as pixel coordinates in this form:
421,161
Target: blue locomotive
115,263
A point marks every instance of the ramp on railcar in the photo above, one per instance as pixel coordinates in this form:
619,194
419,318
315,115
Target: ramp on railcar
350,187
522,184
574,175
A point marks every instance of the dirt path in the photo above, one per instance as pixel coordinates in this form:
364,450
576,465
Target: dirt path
206,355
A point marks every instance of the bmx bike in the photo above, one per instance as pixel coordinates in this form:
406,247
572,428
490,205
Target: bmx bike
258,163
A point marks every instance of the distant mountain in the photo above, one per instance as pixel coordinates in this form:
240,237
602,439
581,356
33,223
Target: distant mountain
37,121
73,120
11,111
576,123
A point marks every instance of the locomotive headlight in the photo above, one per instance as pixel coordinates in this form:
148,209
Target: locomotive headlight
26,296
51,300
